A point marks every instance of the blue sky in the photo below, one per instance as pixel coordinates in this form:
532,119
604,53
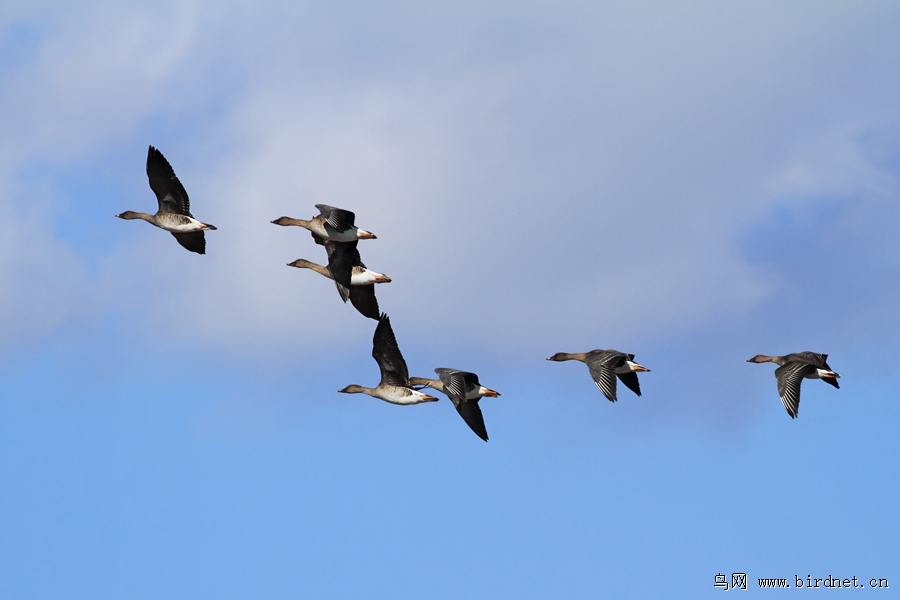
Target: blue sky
694,184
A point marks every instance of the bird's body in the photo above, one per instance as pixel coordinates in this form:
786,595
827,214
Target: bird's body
334,224
792,370
360,275
464,391
394,386
343,261
174,214
361,292
605,366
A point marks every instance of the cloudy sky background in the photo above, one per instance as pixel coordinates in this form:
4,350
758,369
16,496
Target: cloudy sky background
695,184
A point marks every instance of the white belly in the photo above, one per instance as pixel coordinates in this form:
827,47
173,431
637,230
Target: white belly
364,277
180,223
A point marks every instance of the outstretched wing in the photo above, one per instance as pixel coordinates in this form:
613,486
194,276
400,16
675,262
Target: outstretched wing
193,241
789,378
340,219
342,257
386,353
362,297
602,365
471,414
457,384
630,379
170,194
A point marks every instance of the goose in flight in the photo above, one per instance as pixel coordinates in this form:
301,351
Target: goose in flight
174,214
605,366
343,261
335,224
464,391
792,369
394,386
361,292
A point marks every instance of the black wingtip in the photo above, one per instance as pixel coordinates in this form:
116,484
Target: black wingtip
154,153
193,241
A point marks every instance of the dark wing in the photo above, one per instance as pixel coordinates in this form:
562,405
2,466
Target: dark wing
457,384
330,248
602,365
630,379
169,192
342,257
340,219
471,414
193,241
386,353
362,297
789,378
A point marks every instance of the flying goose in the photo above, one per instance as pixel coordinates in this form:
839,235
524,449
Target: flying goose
394,386
464,391
792,369
174,214
362,289
604,366
343,258
335,224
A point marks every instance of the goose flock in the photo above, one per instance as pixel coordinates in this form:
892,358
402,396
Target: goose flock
335,230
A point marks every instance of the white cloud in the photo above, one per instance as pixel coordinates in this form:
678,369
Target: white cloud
837,162
559,173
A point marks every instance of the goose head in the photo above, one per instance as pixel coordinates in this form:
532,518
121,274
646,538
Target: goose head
760,358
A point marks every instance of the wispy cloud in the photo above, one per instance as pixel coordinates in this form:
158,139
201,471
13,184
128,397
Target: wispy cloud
589,173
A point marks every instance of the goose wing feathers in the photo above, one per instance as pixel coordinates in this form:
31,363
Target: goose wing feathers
602,365
789,378
457,384
194,241
630,379
342,257
340,219
170,194
386,353
341,260
471,414
363,299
